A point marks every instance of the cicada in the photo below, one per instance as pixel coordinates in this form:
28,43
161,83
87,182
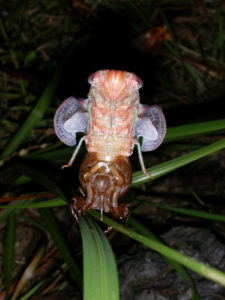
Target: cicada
112,120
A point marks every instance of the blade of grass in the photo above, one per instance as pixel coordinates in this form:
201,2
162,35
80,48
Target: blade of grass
40,178
9,251
100,271
176,52
28,273
39,109
23,204
192,130
8,211
172,165
197,267
28,295
180,269
57,235
191,212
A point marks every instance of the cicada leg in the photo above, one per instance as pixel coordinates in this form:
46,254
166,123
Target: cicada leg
74,153
141,160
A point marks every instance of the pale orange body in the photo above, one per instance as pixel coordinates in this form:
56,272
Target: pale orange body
114,102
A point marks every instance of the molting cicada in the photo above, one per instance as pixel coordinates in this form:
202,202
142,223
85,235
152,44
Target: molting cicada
112,120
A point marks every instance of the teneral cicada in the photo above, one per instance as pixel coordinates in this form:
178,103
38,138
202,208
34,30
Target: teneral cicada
112,120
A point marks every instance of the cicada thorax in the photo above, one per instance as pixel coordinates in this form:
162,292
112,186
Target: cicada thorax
113,109
103,183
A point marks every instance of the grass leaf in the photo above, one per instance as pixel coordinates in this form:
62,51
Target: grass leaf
39,109
200,268
180,269
59,239
169,166
100,271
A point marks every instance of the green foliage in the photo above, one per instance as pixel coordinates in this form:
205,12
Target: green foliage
39,171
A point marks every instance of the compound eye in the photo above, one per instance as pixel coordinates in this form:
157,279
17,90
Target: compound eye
139,82
91,77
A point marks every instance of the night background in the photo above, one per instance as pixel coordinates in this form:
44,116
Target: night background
48,49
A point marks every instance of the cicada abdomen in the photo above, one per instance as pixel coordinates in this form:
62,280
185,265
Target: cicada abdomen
112,120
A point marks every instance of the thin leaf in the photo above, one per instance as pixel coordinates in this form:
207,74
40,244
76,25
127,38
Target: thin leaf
100,271
172,165
58,237
39,109
31,292
28,273
22,204
200,268
9,209
191,212
192,130
180,269
40,178
9,251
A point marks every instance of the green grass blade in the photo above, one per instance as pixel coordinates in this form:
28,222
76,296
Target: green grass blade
180,269
39,109
100,271
40,178
28,295
197,267
191,212
172,165
23,204
58,237
192,130
9,209
9,250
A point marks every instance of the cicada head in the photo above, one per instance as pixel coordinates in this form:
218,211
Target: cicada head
114,83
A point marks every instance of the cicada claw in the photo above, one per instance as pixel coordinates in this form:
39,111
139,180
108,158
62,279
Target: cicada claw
66,166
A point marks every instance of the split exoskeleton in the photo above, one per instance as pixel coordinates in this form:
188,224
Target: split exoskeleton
112,120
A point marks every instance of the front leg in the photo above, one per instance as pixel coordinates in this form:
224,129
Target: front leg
79,207
74,153
141,160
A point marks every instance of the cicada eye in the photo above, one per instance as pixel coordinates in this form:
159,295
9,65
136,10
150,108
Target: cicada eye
139,82
91,77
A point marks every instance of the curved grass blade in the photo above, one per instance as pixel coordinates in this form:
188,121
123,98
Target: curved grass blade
23,204
179,268
28,295
40,178
172,165
39,109
9,251
191,130
100,271
197,267
9,209
191,212
58,237
28,273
